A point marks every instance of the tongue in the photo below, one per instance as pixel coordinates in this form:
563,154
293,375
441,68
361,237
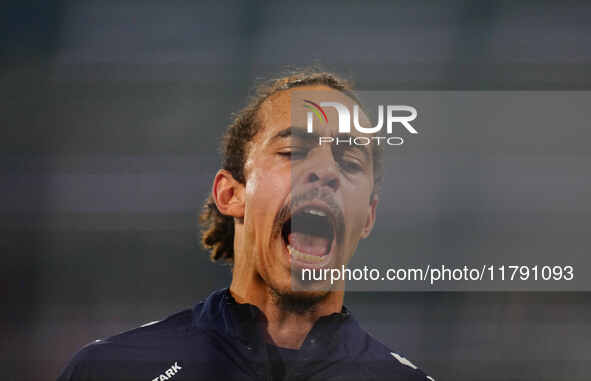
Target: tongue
308,244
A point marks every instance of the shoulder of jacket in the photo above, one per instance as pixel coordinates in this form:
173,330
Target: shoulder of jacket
390,364
145,343
174,325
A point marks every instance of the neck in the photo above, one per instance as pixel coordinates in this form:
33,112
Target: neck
290,316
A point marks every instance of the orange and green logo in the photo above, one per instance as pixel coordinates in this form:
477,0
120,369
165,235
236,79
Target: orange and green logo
317,110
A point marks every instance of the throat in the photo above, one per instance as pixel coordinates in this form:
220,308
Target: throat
290,332
297,303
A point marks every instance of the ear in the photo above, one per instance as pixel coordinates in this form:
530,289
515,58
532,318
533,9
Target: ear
228,194
371,217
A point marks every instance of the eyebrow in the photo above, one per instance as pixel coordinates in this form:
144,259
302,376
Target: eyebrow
298,132
302,133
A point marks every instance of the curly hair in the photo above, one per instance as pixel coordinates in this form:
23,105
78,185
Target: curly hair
217,233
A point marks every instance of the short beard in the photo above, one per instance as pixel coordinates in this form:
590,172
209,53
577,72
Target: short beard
298,303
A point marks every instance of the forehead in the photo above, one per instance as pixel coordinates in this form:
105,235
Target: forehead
290,108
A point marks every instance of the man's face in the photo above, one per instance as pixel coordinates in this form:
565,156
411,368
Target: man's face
306,205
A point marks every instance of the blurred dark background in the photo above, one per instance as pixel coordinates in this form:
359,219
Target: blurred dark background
111,113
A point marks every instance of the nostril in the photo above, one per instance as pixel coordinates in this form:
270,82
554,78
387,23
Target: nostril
334,183
312,177
327,179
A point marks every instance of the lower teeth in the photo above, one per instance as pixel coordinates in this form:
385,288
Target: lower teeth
303,256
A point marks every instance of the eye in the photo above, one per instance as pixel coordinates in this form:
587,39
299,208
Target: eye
351,166
349,161
293,152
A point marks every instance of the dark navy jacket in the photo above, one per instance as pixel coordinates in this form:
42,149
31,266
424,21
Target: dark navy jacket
222,340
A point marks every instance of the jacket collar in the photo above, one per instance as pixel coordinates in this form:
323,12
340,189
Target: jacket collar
246,322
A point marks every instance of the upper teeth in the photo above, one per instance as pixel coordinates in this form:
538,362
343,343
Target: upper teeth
316,212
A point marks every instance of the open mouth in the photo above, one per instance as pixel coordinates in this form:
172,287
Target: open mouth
309,235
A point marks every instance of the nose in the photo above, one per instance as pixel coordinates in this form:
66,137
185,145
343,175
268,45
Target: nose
322,169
